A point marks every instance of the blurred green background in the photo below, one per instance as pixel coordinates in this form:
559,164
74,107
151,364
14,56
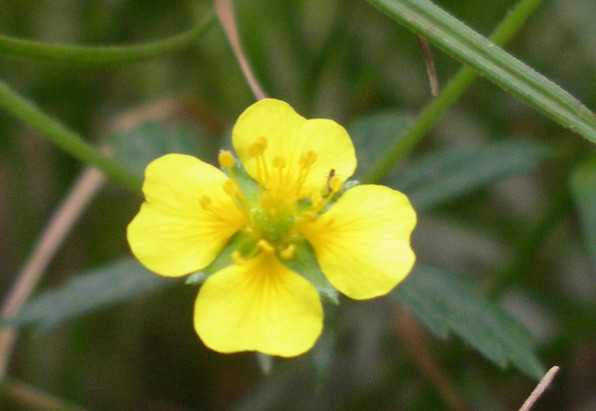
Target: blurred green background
521,241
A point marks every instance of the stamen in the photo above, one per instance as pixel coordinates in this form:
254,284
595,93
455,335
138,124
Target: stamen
255,149
226,159
258,147
288,252
310,215
262,141
230,188
265,246
315,200
307,159
205,202
318,202
279,162
237,258
335,184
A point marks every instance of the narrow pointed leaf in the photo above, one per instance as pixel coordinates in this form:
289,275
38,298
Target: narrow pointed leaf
116,282
445,175
489,60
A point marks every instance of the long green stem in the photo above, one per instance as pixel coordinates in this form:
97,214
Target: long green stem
103,54
452,91
64,138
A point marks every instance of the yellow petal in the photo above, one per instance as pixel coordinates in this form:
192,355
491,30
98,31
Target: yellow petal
289,136
177,231
259,305
362,242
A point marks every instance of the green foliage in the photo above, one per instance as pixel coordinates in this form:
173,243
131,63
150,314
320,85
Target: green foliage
336,59
103,54
446,175
445,304
583,186
374,134
113,283
463,43
305,263
136,147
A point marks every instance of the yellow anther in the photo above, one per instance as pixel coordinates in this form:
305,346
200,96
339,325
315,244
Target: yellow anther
226,159
316,199
237,257
205,202
308,159
288,252
308,215
279,162
229,187
265,246
255,149
258,147
335,183
262,141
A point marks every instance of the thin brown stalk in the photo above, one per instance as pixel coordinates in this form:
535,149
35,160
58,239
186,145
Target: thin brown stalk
540,388
416,343
34,399
225,13
431,71
84,189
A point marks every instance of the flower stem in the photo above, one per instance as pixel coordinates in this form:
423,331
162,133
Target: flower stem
66,139
454,89
103,54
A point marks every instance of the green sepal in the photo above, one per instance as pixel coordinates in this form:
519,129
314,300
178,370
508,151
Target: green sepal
240,241
305,263
265,362
248,186
197,278
347,185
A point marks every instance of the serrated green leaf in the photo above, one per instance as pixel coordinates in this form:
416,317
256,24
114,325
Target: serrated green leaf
374,134
85,293
135,148
489,60
583,188
442,176
446,305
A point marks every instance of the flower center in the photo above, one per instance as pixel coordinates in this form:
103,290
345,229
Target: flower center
273,205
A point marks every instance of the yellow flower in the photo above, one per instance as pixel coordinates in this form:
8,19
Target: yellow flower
293,204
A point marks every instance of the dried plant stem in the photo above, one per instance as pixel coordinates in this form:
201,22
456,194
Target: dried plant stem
540,388
84,189
32,398
225,13
416,343
431,71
